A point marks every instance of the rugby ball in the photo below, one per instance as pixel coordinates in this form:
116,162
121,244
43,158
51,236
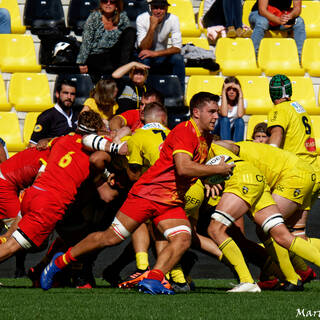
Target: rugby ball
217,178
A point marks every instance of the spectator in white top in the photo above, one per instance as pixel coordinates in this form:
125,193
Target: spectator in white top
153,32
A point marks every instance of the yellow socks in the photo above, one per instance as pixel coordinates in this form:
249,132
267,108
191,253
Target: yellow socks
233,254
297,262
142,260
305,250
315,242
177,274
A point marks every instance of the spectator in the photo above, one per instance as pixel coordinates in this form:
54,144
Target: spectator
153,31
59,120
3,151
133,89
277,15
103,100
107,40
231,125
5,21
260,133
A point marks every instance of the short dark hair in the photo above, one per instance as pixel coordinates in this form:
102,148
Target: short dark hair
153,92
260,127
202,98
66,82
154,106
89,120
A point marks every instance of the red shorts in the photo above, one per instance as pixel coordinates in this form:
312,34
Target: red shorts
141,209
40,213
9,200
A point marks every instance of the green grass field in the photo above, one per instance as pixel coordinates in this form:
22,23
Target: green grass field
209,301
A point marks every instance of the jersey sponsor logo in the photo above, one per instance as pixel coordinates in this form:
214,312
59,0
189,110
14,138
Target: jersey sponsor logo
296,193
245,190
298,107
37,128
274,116
310,144
192,200
279,187
259,178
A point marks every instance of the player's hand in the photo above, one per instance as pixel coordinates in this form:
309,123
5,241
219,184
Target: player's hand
83,69
147,54
213,190
123,150
42,144
225,169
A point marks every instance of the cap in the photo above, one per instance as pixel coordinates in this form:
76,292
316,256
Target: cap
280,87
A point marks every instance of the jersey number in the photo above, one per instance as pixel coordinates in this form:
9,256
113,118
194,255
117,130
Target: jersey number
306,124
163,135
66,159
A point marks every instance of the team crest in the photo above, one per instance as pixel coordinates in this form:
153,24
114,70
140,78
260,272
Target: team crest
245,190
296,192
37,128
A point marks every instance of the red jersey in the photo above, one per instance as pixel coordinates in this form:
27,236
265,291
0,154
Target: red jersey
132,119
160,182
22,168
67,167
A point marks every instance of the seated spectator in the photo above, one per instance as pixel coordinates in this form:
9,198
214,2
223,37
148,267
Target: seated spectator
277,15
260,134
130,96
107,40
3,151
153,31
103,100
59,120
5,21
232,108
223,18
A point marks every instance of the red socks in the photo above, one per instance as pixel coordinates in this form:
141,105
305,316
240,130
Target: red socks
156,274
62,261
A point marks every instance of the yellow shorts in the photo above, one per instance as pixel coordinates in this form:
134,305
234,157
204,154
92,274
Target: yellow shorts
296,185
248,183
193,200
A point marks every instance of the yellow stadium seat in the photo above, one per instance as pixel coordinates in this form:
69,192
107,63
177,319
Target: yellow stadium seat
200,13
199,83
202,43
236,57
13,8
315,120
30,92
303,92
256,92
29,123
253,121
279,56
183,9
4,104
10,131
311,56
17,54
310,13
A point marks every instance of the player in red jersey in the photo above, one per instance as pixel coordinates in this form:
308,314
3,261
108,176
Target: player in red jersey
45,202
159,195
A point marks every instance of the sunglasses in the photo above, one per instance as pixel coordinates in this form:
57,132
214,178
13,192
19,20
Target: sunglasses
109,1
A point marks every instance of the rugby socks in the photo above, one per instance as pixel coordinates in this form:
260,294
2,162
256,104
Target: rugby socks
271,270
142,260
156,274
177,274
315,242
281,255
297,262
305,250
62,261
232,253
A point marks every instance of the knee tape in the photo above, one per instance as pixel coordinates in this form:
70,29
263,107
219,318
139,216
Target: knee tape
119,229
223,218
271,222
24,243
175,230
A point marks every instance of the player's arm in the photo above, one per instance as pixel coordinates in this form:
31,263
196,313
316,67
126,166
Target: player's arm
134,171
3,155
276,136
116,123
186,167
228,144
41,128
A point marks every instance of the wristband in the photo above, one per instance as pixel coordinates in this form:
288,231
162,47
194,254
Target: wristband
115,147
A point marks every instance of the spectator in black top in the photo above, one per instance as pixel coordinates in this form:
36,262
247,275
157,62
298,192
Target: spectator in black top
132,90
59,120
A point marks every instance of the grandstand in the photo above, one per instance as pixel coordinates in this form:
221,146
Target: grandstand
21,71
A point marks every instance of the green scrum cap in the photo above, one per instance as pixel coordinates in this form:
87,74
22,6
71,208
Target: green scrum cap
280,87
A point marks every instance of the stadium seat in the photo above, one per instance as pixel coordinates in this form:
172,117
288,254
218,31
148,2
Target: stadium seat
303,92
311,15
256,92
10,131
30,92
17,54
4,104
13,8
45,17
200,13
29,123
253,121
183,9
196,84
311,57
279,56
84,85
133,8
170,87
316,126
78,13
175,118
202,43
236,57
